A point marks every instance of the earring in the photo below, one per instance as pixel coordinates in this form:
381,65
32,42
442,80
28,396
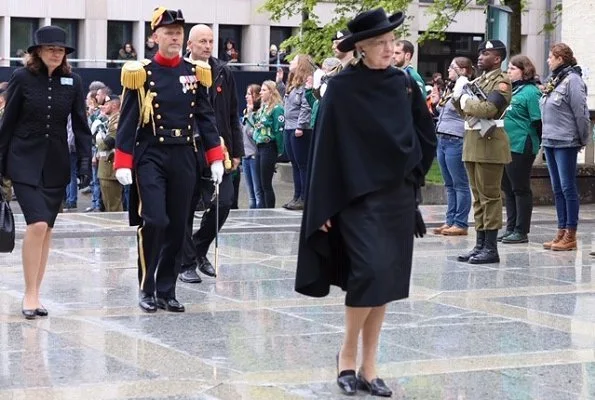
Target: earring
363,53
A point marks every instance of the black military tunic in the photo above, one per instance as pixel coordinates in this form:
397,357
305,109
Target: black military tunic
155,140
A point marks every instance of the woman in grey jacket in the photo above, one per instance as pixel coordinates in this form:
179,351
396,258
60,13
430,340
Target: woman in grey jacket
298,132
566,128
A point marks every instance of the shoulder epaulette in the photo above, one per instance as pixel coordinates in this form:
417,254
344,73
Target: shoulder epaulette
134,74
202,70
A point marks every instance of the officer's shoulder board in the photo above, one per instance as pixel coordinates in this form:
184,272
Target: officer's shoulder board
202,70
133,74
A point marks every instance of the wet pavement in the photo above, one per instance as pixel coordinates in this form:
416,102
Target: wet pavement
521,329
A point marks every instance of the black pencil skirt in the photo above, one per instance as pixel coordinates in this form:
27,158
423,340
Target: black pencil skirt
39,204
377,237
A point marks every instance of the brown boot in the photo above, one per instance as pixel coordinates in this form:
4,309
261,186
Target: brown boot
567,243
559,236
438,231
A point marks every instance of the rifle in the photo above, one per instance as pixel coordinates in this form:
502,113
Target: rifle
473,90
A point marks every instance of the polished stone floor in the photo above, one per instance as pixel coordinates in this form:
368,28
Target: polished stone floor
523,329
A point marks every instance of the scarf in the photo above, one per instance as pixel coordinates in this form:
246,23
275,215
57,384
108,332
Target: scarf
558,76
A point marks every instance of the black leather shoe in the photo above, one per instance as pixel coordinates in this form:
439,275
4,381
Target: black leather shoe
147,303
41,312
29,314
346,380
489,253
376,387
190,276
205,266
170,305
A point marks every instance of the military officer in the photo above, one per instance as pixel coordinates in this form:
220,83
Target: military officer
486,148
163,99
105,139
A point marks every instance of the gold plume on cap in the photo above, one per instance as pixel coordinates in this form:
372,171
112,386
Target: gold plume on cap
157,16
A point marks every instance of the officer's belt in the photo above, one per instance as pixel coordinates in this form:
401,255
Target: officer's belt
174,132
476,127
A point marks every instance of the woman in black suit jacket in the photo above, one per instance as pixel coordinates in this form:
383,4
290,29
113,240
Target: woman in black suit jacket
34,148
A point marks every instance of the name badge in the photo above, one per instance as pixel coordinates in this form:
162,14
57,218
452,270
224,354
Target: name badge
66,81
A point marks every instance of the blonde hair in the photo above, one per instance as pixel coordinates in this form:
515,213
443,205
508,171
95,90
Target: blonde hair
304,69
275,96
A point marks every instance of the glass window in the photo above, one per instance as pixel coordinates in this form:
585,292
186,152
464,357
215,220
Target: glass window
71,26
119,33
233,35
21,36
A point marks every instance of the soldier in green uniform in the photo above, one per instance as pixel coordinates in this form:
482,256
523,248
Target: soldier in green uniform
486,148
111,190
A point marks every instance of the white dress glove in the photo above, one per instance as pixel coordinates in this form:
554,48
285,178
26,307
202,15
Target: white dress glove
457,91
217,172
124,176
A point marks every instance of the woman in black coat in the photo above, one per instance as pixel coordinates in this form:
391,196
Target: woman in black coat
34,149
373,143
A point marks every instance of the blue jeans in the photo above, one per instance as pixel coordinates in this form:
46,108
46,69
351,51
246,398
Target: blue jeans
72,187
252,175
458,194
95,188
561,164
298,149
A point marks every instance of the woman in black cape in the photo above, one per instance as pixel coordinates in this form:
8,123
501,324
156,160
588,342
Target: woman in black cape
374,142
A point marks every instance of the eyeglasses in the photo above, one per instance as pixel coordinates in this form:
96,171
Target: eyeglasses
453,66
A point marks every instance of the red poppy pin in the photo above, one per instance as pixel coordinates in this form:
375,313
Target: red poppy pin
219,90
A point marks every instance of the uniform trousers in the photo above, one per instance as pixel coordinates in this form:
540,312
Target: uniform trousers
485,180
165,179
111,193
197,244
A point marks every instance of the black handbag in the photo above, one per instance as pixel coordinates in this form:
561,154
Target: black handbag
7,229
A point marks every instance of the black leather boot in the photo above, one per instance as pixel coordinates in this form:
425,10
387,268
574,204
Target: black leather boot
489,253
479,243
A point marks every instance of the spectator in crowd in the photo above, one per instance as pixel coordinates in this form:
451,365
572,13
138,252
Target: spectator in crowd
127,52
274,59
522,123
268,124
298,131
450,130
34,153
251,161
344,56
316,85
105,139
230,53
566,128
150,48
404,51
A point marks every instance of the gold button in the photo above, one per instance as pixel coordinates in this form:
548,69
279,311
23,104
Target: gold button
158,116
161,127
161,139
156,105
152,83
192,104
193,69
189,127
489,138
137,143
194,92
149,73
191,115
187,138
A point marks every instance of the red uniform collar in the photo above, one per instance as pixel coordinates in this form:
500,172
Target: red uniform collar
167,62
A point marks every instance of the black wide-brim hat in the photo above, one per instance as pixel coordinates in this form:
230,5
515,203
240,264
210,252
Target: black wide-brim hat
369,24
50,36
164,17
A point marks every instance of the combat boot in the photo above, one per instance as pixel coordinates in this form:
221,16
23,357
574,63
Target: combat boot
479,243
559,236
489,253
567,243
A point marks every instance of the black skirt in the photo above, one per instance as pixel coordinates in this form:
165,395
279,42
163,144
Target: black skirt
377,241
39,204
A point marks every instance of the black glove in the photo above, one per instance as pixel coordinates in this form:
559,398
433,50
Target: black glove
84,181
420,225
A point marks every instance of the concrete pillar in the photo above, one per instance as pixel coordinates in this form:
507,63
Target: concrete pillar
5,40
255,39
215,28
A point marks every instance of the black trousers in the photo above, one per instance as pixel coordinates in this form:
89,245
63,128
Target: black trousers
267,159
197,244
165,179
516,185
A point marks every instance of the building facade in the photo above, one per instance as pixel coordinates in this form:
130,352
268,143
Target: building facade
100,28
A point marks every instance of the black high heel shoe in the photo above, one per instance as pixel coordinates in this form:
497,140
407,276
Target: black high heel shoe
346,380
376,387
41,312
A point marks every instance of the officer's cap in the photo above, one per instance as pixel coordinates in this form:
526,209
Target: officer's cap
495,45
340,35
164,17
